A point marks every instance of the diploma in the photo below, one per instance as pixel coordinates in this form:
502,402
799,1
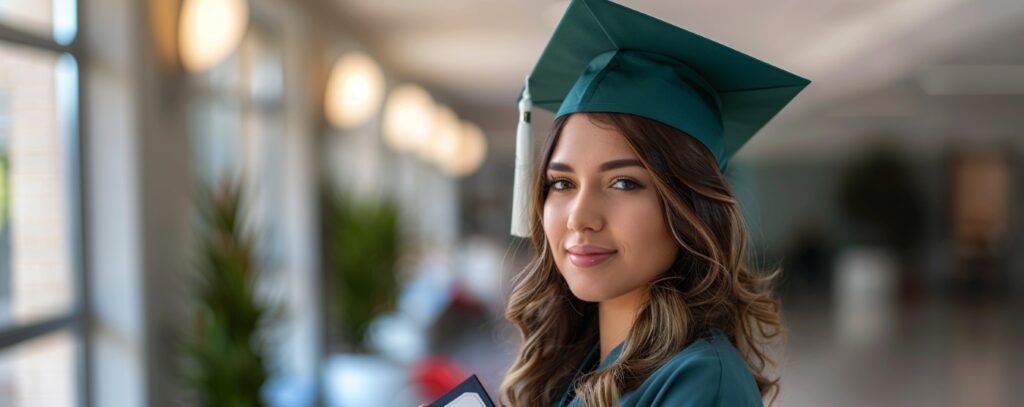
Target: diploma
469,393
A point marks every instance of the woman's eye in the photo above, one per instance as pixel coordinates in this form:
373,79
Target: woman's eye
625,184
558,184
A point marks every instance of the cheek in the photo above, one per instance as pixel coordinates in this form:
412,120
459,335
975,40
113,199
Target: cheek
646,233
552,217
553,221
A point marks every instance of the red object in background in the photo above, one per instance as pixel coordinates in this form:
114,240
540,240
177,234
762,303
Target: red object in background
435,375
463,299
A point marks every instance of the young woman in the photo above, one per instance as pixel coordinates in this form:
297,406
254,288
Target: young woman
639,271
639,293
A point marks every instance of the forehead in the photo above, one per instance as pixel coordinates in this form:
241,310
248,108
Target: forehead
585,144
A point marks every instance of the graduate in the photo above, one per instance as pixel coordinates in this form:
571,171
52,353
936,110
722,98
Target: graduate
639,293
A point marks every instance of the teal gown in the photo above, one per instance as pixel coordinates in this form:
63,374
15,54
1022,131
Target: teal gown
709,372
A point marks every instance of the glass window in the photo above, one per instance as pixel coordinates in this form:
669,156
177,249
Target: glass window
35,234
53,19
39,223
39,372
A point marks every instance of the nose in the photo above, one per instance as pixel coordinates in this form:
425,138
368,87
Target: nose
585,212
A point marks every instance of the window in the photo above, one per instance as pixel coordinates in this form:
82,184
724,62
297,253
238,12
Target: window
41,317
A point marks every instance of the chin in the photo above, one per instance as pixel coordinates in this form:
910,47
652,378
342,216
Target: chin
591,285
587,295
591,292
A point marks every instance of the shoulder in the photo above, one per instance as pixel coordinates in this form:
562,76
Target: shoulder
709,372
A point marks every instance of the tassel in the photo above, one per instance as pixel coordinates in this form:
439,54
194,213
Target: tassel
524,165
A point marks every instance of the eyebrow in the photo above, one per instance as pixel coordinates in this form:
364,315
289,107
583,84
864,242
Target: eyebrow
610,165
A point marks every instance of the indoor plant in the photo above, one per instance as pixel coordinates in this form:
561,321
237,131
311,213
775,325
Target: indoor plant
224,364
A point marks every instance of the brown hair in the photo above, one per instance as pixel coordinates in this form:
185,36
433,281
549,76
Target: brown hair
710,284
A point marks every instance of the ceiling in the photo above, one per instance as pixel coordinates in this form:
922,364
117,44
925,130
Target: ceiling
909,63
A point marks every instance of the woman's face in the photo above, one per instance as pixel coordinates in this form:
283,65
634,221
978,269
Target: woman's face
602,216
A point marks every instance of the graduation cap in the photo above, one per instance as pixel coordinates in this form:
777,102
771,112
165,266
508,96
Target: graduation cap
604,57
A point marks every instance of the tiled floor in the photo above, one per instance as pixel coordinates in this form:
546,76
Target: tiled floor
931,354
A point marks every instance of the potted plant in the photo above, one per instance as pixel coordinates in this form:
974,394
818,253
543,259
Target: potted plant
878,192
879,195
360,256
361,241
224,364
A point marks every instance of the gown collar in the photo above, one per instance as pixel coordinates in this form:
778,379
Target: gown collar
595,353
713,333
612,356
590,360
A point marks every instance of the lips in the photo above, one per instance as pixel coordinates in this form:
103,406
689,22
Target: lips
589,255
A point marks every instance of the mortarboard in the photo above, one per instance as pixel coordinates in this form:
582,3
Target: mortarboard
604,57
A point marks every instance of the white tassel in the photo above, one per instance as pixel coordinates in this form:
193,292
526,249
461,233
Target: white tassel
521,199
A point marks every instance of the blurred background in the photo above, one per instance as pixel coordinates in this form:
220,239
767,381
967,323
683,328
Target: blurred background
307,202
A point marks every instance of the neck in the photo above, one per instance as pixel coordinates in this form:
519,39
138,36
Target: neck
615,318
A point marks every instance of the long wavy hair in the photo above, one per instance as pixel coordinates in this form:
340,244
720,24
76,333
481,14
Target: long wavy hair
709,285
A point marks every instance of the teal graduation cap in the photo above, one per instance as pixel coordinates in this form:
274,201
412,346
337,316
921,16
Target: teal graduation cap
604,57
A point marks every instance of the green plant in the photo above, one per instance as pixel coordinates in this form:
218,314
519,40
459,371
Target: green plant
224,364
878,192
361,241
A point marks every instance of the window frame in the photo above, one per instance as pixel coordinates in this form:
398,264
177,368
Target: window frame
76,320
